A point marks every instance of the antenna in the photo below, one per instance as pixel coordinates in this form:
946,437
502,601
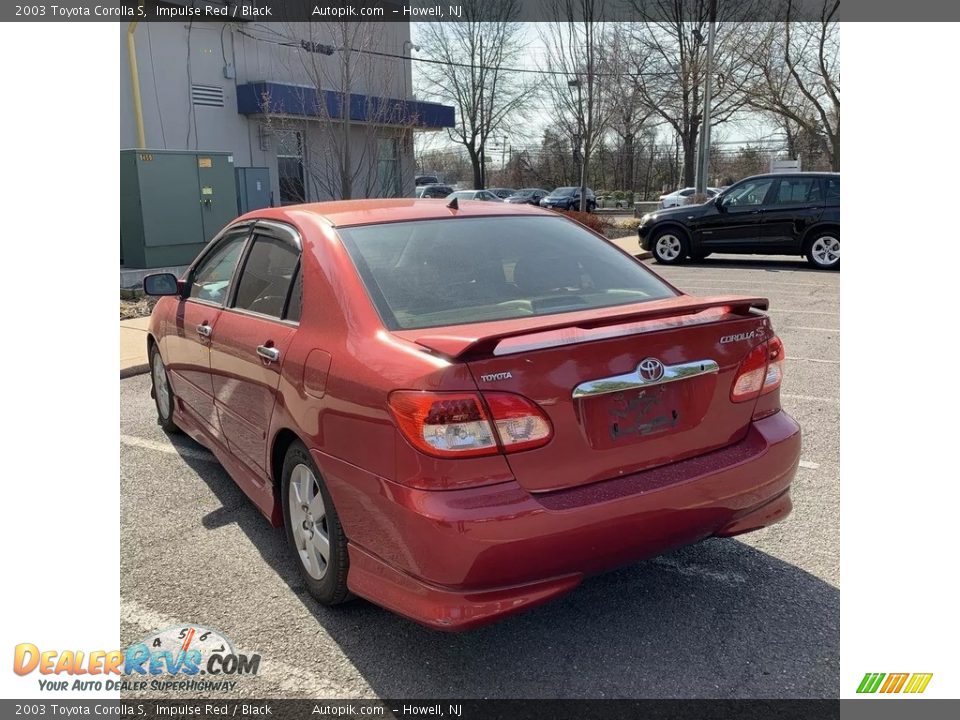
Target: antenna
453,204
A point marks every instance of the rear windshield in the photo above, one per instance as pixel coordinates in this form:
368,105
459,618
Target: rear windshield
564,191
464,270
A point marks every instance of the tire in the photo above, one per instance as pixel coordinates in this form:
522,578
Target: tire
161,392
669,246
823,250
699,256
591,207
311,530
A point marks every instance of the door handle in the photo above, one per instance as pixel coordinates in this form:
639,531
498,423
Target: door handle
270,354
205,330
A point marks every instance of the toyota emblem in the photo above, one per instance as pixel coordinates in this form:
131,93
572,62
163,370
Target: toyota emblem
650,369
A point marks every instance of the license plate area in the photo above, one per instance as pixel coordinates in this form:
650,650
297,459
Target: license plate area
645,414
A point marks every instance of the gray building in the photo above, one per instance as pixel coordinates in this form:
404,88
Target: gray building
325,108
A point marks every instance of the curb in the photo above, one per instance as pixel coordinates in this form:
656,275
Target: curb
134,370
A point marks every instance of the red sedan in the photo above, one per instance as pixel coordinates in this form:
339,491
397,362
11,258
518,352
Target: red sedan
459,412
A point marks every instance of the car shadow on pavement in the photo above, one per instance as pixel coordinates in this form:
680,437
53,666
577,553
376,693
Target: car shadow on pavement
718,619
747,262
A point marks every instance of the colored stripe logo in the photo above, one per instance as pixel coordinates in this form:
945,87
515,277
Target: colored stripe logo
912,683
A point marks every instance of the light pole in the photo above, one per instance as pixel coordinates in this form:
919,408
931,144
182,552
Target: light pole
575,82
703,169
409,73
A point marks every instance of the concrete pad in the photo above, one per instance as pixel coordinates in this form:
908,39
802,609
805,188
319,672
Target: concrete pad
133,346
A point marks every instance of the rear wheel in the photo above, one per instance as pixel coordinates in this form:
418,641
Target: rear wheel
698,256
313,530
669,247
162,394
823,251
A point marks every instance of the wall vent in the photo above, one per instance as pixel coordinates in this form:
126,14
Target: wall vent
210,95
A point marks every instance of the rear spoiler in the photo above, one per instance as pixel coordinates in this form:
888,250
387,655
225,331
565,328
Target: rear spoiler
481,339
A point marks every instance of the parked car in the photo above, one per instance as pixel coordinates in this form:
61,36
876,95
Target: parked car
473,195
459,415
425,179
530,196
434,190
502,193
683,197
568,198
779,214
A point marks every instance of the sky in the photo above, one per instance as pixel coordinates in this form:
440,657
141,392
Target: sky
729,135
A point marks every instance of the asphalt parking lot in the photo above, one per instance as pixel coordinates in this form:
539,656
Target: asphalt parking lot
756,616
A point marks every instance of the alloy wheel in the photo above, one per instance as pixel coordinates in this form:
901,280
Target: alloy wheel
826,250
308,521
669,247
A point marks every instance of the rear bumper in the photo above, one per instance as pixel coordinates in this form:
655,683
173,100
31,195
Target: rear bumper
457,559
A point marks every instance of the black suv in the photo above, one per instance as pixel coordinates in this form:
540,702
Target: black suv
778,214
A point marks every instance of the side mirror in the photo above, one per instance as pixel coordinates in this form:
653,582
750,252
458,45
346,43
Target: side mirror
161,284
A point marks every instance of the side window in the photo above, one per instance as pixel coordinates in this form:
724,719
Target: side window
266,276
686,193
296,298
833,189
798,191
211,278
750,194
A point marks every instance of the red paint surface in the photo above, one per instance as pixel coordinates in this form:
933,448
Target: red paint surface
454,543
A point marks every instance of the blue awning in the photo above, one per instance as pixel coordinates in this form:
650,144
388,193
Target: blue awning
270,97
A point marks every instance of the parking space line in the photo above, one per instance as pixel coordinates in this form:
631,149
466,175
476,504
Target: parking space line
813,360
744,290
813,329
755,282
196,454
811,398
806,464
802,312
291,678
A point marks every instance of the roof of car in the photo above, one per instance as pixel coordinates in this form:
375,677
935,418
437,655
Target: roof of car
343,213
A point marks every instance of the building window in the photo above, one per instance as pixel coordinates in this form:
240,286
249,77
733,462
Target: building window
290,167
388,166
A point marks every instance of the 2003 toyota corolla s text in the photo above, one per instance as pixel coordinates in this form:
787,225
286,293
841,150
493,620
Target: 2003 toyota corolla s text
459,412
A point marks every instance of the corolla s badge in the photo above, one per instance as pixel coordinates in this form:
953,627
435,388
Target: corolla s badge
739,336
650,369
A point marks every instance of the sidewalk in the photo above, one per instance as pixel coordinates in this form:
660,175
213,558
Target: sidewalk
133,347
631,243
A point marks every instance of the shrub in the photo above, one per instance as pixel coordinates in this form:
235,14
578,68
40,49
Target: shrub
593,221
628,223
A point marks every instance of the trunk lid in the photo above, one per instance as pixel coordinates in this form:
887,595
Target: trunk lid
625,392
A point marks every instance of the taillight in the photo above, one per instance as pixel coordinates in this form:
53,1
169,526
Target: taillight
760,372
462,425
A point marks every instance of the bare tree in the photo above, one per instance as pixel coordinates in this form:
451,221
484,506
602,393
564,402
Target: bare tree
472,54
795,77
574,39
624,62
674,38
353,147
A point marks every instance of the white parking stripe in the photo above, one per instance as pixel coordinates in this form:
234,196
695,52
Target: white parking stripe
811,398
813,360
197,454
802,312
701,278
809,465
291,678
814,329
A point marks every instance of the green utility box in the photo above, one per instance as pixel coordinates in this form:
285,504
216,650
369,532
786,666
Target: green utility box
172,203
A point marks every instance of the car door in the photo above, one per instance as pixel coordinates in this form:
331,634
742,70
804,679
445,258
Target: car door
252,337
187,343
795,204
736,225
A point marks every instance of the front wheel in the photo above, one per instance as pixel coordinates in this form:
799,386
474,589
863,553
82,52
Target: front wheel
669,247
313,530
161,392
823,252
